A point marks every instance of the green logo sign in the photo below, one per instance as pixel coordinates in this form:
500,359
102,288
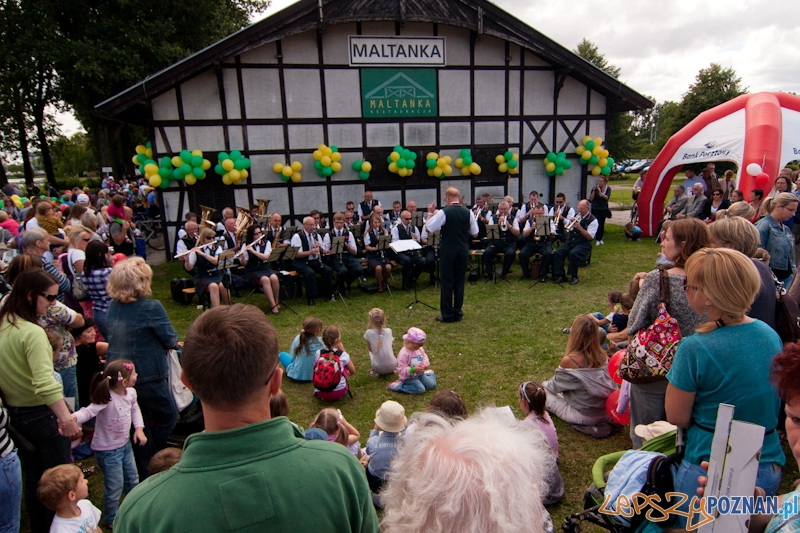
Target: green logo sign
391,92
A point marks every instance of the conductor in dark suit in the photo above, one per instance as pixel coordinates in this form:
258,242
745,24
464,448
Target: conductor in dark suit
458,224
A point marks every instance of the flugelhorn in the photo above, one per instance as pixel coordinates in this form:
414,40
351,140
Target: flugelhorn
574,220
503,223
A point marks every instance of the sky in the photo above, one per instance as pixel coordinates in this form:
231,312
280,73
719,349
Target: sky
661,47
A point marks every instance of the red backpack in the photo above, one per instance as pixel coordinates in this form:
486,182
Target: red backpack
327,370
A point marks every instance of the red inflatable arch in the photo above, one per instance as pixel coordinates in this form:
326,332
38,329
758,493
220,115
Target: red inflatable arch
761,128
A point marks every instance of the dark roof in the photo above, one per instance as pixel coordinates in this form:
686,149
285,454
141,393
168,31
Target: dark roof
475,15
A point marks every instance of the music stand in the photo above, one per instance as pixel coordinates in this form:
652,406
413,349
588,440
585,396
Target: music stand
284,253
543,226
338,249
405,246
356,230
384,243
433,240
288,232
417,219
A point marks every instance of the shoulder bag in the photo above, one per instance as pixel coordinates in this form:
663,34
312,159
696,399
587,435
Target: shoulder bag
78,288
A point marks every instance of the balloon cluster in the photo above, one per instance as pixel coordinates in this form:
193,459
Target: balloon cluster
755,170
592,153
438,167
326,160
363,168
507,162
466,164
232,167
17,201
555,164
148,166
402,161
188,166
290,171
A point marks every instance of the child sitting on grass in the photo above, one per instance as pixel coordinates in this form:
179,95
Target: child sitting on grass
390,420
413,365
299,362
333,348
63,489
332,422
380,344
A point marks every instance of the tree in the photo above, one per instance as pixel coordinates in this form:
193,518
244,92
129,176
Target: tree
74,156
588,50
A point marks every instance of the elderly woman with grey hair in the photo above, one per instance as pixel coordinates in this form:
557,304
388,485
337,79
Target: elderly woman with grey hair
483,475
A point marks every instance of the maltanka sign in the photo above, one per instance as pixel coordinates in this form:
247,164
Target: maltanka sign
390,51
398,92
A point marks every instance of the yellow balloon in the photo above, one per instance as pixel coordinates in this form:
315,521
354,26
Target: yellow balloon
586,155
227,164
177,161
366,166
226,179
580,149
459,162
327,151
15,197
503,167
551,167
150,168
602,162
297,166
317,154
277,168
321,147
234,174
197,152
206,164
190,179
597,150
140,149
598,140
447,170
448,160
402,172
296,177
243,174
287,171
465,171
336,156
326,161
336,166
393,167
513,170
394,156
430,172
605,154
432,155
595,170
586,139
135,161
437,171
149,153
155,181
475,168
515,158
409,171
499,159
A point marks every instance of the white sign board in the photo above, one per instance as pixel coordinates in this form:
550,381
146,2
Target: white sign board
396,51
108,169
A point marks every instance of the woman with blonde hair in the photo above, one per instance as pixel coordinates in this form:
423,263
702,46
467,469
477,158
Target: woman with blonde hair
205,278
139,330
739,234
577,392
776,238
739,209
728,361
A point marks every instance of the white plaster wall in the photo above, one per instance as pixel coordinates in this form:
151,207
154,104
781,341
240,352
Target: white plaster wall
165,106
278,200
173,137
345,135
454,133
527,136
572,98
231,85
497,191
383,135
456,43
532,60
261,168
236,138
490,51
335,42
419,134
513,186
597,128
241,198
514,52
570,184
377,28
534,178
200,97
265,137
513,132
303,96
490,132
205,138
300,49
265,53
454,93
262,93
598,104
347,173
490,93
423,197
421,29
305,136
463,186
387,198
538,92
343,93
308,172
514,91
171,201
562,136
307,198
341,194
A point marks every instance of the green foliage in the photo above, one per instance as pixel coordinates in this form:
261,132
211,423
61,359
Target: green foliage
589,51
73,156
71,183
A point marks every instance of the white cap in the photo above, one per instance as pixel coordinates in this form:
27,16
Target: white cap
83,198
656,429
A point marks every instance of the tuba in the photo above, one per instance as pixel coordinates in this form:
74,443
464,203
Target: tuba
263,214
205,216
243,221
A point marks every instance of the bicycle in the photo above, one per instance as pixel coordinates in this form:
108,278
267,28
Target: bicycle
152,232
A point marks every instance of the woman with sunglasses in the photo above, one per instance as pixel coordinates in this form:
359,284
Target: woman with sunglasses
204,257
254,258
715,204
31,393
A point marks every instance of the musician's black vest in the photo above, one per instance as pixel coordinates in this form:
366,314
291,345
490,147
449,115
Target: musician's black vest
253,262
366,209
455,233
574,235
403,234
190,242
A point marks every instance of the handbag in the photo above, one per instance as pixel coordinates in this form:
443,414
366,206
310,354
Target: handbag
78,288
787,314
649,355
180,393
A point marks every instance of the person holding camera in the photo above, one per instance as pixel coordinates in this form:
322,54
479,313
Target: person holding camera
599,200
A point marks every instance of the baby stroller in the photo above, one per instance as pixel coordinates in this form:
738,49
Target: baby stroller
658,481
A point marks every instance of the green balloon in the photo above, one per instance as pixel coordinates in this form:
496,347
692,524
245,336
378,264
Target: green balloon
246,162
317,166
239,164
334,148
560,171
410,164
219,170
467,160
327,171
222,156
357,165
176,174
593,160
165,173
398,148
509,156
605,171
287,178
465,153
401,163
185,168
148,145
197,172
186,156
589,145
196,161
141,158
413,156
610,161
549,173
512,164
406,154
363,175
551,156
166,162
567,164
236,154
430,163
1,204
141,169
164,184
150,162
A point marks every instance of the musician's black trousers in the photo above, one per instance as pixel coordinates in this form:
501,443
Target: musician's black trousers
509,250
309,271
452,270
413,265
577,252
532,248
348,269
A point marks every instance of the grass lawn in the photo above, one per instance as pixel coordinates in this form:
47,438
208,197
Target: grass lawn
509,335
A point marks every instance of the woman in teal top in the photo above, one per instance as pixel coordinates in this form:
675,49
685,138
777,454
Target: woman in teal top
727,360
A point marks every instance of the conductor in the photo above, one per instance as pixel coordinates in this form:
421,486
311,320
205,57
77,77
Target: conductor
457,224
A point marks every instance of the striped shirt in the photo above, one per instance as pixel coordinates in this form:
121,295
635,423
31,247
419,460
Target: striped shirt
6,444
95,284
64,284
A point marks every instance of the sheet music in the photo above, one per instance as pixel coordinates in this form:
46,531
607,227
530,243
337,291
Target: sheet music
405,245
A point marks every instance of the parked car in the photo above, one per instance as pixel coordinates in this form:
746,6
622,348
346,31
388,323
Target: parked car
639,165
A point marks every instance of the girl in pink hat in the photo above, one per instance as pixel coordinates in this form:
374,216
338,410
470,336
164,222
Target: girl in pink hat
413,365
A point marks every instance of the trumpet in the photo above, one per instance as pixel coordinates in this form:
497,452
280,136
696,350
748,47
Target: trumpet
503,223
557,213
574,220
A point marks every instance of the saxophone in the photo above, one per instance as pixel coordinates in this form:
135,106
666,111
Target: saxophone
277,238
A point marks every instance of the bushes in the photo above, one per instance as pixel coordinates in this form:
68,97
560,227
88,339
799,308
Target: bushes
70,183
